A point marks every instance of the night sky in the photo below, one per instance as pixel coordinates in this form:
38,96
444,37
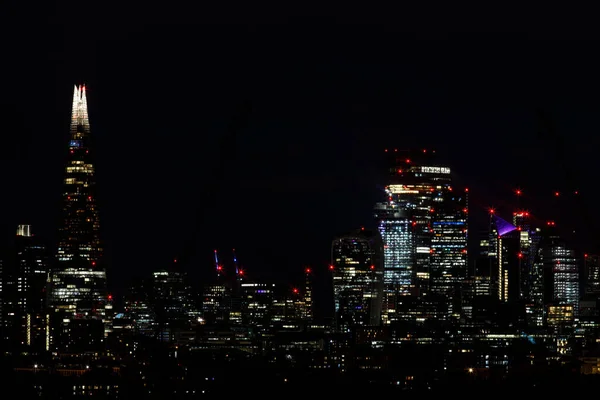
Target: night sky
267,134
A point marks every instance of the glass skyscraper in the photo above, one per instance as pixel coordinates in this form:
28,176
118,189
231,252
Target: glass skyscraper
423,224
357,267
78,281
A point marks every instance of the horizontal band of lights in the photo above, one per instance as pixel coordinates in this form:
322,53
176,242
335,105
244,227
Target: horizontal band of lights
435,170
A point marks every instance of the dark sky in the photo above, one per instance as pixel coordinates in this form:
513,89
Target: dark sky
265,133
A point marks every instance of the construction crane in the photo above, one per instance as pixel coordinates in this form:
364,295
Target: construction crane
218,267
239,272
227,154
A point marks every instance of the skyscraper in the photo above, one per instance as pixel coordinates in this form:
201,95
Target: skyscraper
561,270
422,215
357,267
78,282
448,263
307,312
592,274
24,299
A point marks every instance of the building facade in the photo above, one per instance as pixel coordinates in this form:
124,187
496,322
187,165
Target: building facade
357,267
78,293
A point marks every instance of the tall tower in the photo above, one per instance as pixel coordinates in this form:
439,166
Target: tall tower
78,297
357,268
423,227
24,295
308,296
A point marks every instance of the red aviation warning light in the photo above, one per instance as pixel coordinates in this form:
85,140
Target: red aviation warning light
491,210
407,161
550,223
372,267
307,270
331,267
585,255
556,194
520,255
295,291
466,190
109,297
518,192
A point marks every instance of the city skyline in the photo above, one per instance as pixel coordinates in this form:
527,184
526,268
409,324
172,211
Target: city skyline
199,205
76,186
505,205
317,123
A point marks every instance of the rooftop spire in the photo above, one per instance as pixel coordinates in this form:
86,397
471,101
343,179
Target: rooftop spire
79,114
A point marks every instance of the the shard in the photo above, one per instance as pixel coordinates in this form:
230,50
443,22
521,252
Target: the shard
78,296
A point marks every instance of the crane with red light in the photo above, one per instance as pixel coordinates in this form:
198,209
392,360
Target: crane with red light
218,267
239,272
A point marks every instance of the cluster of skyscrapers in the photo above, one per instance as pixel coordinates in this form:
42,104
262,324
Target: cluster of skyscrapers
418,265
414,266
398,283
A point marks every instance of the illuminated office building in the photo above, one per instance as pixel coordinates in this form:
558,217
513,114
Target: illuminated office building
500,252
24,297
421,210
78,293
216,303
357,268
307,309
560,266
173,297
448,263
257,303
592,274
139,308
